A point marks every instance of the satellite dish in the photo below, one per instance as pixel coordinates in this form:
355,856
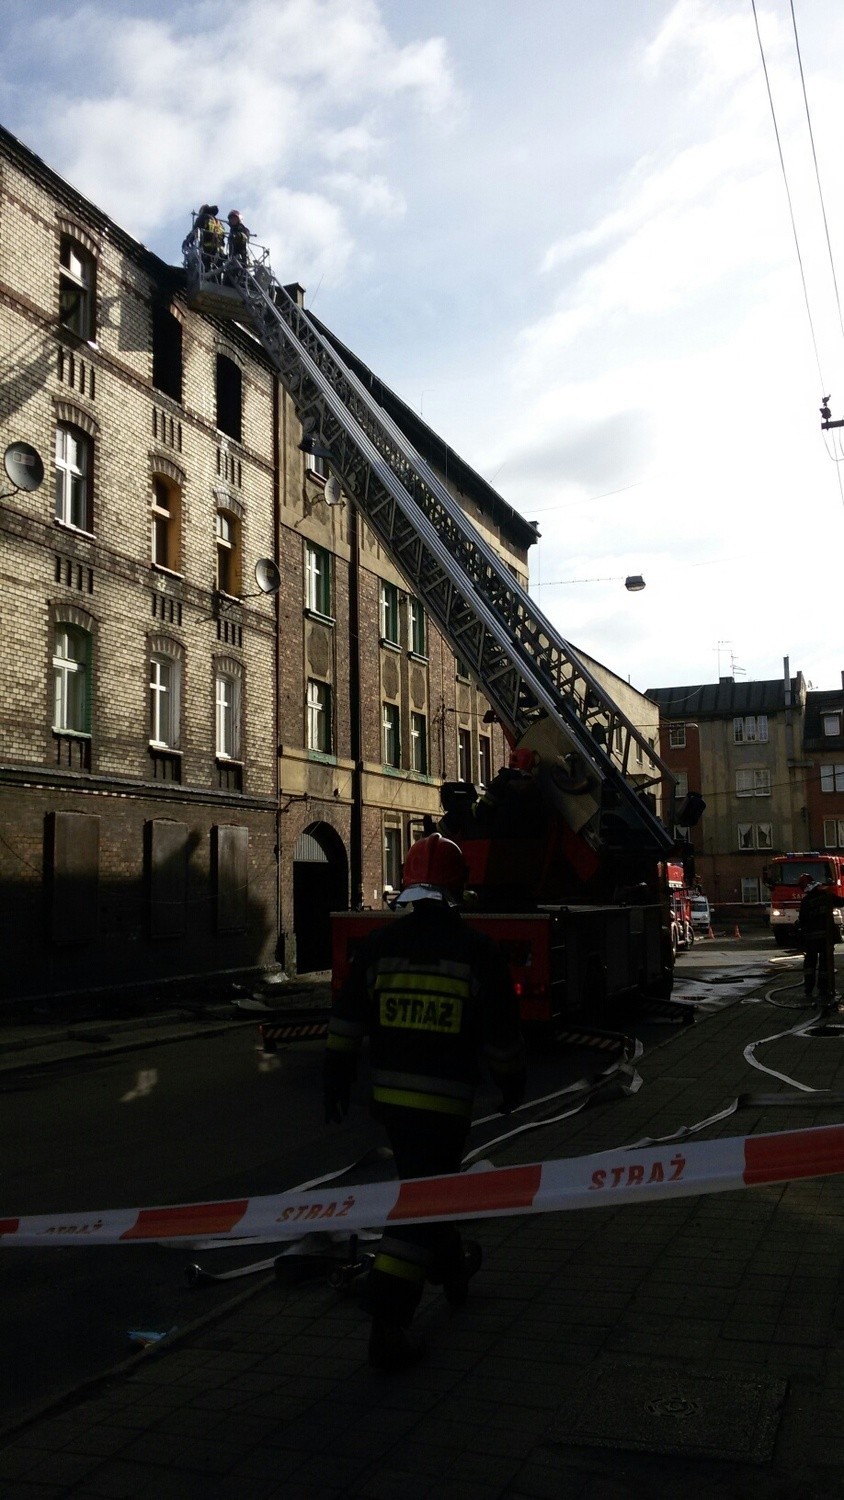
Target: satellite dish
332,490
23,466
267,576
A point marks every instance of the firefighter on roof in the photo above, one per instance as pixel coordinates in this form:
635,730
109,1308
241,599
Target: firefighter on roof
434,997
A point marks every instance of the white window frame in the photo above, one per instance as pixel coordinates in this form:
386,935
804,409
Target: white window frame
417,628
484,759
319,716
72,680
392,856
73,465
832,778
750,729
419,743
750,888
831,723
165,680
464,754
677,736
389,606
76,274
764,835
227,538
391,732
228,697
317,580
753,782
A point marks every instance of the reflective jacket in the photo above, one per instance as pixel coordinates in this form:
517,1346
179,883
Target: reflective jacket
435,998
815,920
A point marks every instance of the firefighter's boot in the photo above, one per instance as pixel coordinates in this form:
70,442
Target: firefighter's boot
456,1282
392,1348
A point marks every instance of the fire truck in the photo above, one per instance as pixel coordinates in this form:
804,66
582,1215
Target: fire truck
679,900
783,876
568,858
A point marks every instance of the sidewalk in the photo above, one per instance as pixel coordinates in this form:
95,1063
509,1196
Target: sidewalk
688,1351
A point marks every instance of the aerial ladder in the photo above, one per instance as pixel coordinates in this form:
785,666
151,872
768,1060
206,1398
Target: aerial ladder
599,770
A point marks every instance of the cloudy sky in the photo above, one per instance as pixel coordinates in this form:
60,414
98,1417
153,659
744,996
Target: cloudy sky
561,230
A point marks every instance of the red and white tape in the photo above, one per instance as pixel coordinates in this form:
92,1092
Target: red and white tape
636,1175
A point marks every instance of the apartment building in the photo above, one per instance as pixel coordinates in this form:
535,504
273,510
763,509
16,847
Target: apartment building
194,772
823,755
741,745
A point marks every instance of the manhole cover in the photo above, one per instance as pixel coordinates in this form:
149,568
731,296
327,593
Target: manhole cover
668,1410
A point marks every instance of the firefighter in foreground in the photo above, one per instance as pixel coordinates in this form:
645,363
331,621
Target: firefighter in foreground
818,932
435,998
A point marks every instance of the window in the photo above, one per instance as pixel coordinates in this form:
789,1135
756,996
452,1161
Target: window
831,724
392,735
419,743
681,791
750,888
484,760
832,778
71,680
392,858
464,755
833,833
166,512
751,730
319,716
76,289
228,552
460,669
316,466
317,579
229,397
677,736
390,613
164,696
228,697
167,353
417,628
755,836
753,783
73,477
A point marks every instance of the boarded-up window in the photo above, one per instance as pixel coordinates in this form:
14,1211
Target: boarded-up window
232,881
73,848
167,868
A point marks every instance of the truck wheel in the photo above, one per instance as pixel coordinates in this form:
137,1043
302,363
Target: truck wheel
690,935
675,942
781,937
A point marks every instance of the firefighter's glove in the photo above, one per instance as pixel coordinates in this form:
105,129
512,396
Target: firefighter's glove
512,1092
337,1076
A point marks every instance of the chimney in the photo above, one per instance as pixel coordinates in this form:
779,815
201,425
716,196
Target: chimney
786,673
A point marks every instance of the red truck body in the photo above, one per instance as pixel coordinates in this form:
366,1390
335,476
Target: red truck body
783,876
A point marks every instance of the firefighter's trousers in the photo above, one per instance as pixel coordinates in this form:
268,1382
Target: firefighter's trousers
424,1144
816,955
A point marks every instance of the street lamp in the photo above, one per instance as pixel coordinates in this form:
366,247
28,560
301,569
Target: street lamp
634,583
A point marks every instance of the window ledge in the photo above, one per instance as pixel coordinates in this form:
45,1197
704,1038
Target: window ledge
317,614
388,644
69,526
158,567
72,734
315,478
418,656
324,757
162,749
226,760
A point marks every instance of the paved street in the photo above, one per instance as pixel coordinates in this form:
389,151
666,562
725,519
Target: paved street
694,1348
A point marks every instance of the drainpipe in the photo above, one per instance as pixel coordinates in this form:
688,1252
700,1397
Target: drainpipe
355,735
276,451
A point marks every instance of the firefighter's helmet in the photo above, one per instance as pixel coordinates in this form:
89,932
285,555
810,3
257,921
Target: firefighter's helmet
805,882
434,870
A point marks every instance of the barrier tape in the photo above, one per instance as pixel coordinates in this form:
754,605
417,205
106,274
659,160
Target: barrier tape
597,1181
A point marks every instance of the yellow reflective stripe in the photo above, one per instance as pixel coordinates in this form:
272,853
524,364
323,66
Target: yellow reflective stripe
423,984
337,1043
403,1268
406,1099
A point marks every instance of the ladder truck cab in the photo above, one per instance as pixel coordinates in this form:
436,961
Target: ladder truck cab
783,878
566,851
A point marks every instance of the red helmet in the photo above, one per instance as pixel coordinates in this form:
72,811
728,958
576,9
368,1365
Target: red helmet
434,861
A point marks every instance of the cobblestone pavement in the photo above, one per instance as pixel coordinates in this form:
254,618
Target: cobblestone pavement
692,1349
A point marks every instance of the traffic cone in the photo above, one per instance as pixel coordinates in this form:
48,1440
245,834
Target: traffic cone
736,933
709,932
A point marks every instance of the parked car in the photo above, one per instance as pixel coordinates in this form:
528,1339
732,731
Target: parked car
701,913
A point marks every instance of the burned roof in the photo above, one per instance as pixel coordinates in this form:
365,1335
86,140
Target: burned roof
726,698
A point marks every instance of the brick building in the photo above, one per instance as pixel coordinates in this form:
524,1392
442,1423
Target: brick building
823,753
192,772
752,750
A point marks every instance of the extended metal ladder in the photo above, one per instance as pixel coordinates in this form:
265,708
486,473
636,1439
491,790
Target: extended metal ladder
525,669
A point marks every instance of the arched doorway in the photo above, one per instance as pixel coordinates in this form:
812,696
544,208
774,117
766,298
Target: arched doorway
320,886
